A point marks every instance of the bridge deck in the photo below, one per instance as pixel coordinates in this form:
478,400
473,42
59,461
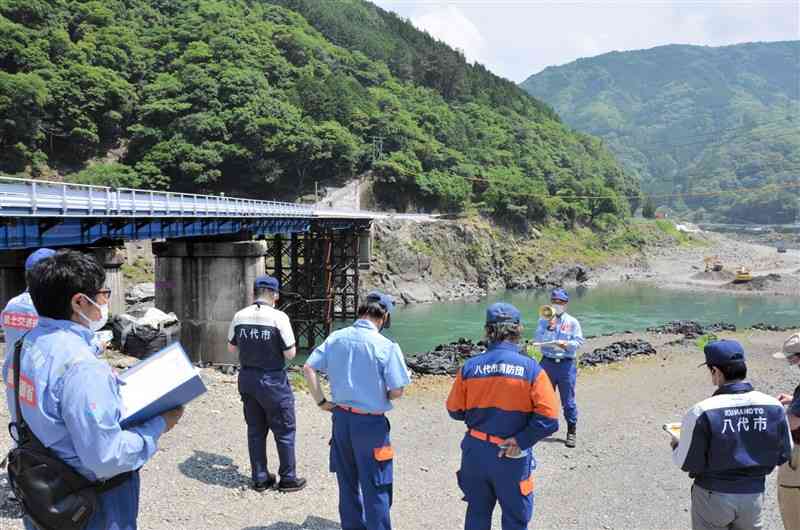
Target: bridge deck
38,213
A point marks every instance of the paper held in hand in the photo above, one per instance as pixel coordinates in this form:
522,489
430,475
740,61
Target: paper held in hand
547,343
161,382
674,430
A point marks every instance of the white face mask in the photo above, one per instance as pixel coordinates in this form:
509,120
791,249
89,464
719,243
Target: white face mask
96,325
560,308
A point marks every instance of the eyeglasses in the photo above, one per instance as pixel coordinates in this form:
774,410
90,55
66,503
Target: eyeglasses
106,291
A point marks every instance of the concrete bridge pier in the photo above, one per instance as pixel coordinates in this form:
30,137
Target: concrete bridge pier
205,283
112,258
12,274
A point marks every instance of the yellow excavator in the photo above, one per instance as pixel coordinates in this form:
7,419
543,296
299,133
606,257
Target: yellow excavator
743,275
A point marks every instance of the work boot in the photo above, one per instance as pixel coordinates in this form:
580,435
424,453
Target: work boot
571,435
266,485
288,486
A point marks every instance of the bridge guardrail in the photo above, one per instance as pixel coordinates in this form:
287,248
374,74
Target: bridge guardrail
37,198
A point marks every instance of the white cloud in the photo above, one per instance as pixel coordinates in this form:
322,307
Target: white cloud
451,25
518,38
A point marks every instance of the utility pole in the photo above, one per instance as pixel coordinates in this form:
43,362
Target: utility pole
377,148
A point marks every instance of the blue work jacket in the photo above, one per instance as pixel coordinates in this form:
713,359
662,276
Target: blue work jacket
567,328
71,401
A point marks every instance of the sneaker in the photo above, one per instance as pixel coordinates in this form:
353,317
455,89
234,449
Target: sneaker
266,485
289,486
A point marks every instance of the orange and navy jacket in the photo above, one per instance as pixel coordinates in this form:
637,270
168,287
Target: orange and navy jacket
503,393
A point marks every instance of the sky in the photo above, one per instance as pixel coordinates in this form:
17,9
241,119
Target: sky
518,38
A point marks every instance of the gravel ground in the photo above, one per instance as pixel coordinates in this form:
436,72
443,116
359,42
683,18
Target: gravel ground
619,477
682,267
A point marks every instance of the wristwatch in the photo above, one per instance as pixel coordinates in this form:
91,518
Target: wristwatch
322,402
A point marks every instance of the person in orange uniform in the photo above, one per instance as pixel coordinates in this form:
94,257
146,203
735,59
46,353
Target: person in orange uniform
508,404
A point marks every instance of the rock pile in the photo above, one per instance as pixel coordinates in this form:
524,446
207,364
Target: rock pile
617,351
571,275
445,359
691,329
140,296
763,326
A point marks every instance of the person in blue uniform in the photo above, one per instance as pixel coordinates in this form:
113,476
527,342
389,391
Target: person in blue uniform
508,405
262,336
729,443
19,317
70,398
564,334
366,372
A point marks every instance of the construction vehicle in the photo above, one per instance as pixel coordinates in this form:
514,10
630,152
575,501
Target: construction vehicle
743,275
713,263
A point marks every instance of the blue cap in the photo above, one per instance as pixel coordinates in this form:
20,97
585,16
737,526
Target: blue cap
382,299
559,294
722,352
267,282
38,256
502,312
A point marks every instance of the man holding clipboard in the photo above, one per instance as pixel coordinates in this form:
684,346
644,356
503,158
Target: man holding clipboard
70,399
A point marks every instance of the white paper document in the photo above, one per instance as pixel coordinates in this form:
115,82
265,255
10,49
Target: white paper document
159,383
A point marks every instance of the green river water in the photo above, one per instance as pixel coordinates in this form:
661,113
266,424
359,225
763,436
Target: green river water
600,310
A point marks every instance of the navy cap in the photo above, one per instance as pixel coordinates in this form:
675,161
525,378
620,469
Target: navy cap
722,352
559,294
502,312
384,300
267,282
38,256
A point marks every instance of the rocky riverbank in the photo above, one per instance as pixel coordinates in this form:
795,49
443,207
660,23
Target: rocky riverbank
441,260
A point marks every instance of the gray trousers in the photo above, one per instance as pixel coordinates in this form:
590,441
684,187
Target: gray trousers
726,511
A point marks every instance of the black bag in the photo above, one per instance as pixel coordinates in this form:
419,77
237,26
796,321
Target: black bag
52,493
143,341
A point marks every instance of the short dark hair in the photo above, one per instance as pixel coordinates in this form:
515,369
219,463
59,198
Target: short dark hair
732,371
55,280
371,310
258,292
504,332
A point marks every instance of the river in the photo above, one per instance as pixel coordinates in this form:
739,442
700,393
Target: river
600,310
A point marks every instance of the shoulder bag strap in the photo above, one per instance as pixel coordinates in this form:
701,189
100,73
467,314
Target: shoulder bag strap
20,425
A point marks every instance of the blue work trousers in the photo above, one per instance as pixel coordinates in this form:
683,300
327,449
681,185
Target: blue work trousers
564,375
268,406
361,457
485,479
117,509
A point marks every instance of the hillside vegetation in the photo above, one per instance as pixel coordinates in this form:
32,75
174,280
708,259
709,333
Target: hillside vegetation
252,98
694,120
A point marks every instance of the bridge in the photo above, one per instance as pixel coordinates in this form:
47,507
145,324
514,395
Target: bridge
208,249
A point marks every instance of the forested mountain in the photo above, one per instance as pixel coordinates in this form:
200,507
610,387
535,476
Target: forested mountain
695,120
264,98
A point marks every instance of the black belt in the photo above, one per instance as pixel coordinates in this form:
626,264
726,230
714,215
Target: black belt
261,368
558,359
